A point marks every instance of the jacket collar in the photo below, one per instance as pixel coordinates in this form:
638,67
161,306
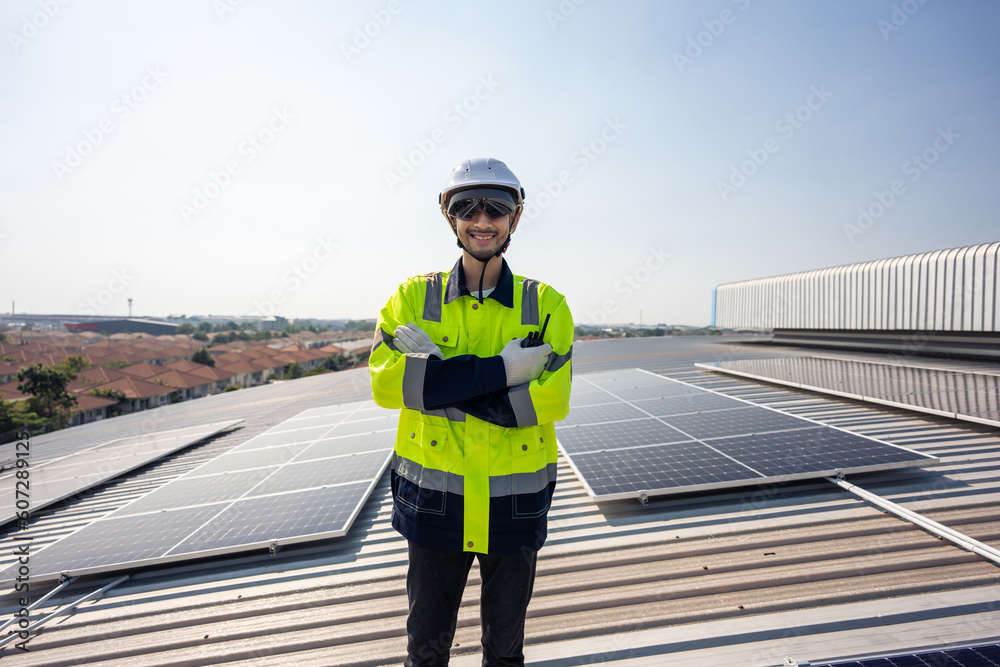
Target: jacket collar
504,291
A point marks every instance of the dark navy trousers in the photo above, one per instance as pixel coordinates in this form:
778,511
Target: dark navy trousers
435,582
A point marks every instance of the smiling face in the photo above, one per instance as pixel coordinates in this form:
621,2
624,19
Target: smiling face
483,236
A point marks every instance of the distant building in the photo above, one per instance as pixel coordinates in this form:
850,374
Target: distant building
125,325
935,302
273,323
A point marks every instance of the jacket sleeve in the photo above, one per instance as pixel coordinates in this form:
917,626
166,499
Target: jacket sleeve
539,401
418,381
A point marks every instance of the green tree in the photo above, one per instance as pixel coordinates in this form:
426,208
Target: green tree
185,328
47,387
293,370
115,394
73,365
204,327
359,325
8,417
199,335
203,356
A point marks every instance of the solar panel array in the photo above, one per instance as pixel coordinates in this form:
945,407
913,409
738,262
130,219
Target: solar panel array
633,433
965,395
986,655
305,478
57,478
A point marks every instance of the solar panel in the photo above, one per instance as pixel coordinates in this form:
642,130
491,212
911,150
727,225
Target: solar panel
984,655
307,484
680,438
967,395
635,433
61,477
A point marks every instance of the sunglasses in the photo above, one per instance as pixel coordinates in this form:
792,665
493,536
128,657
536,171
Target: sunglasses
497,203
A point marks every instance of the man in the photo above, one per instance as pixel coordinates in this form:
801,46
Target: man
474,465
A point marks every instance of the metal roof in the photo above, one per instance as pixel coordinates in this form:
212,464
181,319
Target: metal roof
742,577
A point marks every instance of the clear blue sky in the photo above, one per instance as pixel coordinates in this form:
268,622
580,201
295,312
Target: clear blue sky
118,121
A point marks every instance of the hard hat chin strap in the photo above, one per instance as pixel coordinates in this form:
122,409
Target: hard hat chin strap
499,252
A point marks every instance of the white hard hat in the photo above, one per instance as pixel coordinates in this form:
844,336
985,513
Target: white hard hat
480,172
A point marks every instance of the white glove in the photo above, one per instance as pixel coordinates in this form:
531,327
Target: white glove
524,364
411,339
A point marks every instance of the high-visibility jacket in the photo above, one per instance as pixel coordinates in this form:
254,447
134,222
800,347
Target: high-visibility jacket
474,465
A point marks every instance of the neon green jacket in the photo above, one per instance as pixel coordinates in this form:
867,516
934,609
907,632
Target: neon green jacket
474,465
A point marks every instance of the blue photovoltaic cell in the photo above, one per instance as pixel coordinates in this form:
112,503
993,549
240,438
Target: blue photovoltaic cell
620,379
592,437
819,449
704,401
697,438
639,469
276,517
744,420
257,458
986,655
640,393
270,439
121,540
351,444
582,398
309,474
603,413
197,491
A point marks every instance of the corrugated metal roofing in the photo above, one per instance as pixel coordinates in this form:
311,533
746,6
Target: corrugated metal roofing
743,577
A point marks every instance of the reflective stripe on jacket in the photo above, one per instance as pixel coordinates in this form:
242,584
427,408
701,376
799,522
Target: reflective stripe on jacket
474,465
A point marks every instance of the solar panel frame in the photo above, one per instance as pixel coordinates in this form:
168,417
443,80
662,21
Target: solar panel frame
594,490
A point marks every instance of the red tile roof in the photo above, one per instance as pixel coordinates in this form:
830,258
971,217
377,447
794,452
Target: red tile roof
88,402
175,378
244,366
184,365
9,392
143,369
100,375
211,373
136,388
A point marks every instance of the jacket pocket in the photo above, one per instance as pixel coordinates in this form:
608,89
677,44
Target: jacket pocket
444,336
529,477
422,480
